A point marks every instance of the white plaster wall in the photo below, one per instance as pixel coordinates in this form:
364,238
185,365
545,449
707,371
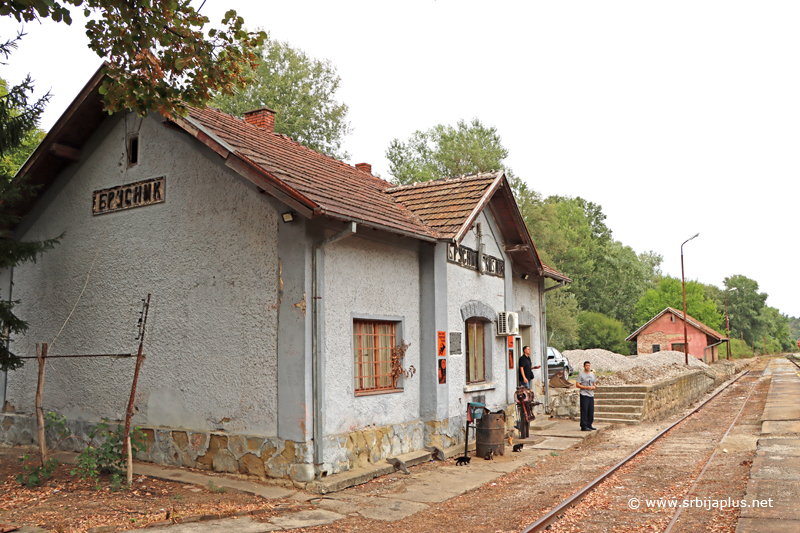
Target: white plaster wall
208,255
367,277
464,285
526,294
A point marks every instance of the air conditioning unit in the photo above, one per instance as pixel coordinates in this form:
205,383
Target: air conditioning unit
507,323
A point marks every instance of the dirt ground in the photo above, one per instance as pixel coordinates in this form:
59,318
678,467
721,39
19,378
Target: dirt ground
65,503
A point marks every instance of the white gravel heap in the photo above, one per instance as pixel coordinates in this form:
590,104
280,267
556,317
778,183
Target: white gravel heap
645,374
614,362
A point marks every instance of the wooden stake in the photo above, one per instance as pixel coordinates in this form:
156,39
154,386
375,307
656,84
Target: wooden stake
41,355
129,413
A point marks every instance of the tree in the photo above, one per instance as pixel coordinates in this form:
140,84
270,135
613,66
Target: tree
597,330
619,279
301,90
445,152
19,121
744,307
562,323
668,293
14,158
158,56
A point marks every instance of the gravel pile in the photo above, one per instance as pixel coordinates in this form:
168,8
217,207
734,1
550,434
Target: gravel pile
614,362
645,374
600,359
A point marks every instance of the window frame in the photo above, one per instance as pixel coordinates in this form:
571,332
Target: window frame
397,323
475,322
656,348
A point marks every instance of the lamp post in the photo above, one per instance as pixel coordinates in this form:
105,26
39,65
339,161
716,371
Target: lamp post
683,283
727,320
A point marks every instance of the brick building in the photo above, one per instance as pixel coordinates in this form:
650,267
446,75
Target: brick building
664,332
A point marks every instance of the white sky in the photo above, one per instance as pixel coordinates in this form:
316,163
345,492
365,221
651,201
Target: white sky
676,117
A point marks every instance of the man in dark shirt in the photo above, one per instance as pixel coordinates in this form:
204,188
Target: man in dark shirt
526,367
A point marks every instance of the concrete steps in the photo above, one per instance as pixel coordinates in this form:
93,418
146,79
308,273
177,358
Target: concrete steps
619,404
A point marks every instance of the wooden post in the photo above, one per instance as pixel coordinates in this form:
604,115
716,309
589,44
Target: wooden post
129,413
41,355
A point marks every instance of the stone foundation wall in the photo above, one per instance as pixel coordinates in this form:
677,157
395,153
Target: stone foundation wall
565,403
241,454
667,397
265,457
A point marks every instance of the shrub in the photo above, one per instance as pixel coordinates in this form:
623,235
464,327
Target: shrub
104,453
596,330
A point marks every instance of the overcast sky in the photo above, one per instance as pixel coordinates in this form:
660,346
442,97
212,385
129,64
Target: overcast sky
676,117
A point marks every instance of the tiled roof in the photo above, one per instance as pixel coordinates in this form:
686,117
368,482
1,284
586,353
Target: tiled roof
444,205
335,187
689,320
555,274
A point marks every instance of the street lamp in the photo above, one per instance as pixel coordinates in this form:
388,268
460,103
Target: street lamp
683,283
727,321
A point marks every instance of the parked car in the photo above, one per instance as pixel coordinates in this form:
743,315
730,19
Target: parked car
556,358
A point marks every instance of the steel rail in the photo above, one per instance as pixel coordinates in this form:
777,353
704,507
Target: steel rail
708,463
554,514
792,359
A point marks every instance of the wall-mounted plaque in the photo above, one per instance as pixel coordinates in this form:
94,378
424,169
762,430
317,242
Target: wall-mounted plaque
128,196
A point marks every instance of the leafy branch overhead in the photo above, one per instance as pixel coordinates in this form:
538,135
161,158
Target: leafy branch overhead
158,57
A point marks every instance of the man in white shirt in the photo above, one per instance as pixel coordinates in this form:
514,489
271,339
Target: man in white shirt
586,383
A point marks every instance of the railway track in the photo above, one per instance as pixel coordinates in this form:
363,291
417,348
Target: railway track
667,470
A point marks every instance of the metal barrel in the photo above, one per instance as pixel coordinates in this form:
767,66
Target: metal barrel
489,434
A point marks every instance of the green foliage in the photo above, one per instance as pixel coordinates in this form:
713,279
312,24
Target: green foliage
446,151
562,319
739,350
19,121
33,476
158,52
597,330
669,293
105,453
30,134
301,90
216,490
744,307
572,237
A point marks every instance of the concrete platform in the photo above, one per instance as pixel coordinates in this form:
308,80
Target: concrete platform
773,490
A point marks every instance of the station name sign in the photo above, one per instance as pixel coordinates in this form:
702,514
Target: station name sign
129,196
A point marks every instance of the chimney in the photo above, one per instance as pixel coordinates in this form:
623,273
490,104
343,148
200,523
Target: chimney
263,118
364,167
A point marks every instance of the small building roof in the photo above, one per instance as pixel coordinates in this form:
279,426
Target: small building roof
689,320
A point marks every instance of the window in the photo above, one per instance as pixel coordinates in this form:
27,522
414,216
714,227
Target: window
476,351
373,341
677,346
133,150
656,348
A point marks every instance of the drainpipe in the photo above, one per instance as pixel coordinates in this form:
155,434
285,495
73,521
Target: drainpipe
543,335
317,362
710,346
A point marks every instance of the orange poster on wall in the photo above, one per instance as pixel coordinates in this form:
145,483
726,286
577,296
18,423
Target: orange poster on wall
442,343
511,342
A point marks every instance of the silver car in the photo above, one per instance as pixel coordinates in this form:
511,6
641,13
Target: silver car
556,358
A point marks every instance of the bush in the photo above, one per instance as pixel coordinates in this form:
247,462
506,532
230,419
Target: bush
105,453
739,349
596,330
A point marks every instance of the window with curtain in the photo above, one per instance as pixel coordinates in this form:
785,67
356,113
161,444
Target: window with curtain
373,341
476,351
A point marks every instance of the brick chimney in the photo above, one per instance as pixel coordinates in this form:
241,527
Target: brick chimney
364,167
263,118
